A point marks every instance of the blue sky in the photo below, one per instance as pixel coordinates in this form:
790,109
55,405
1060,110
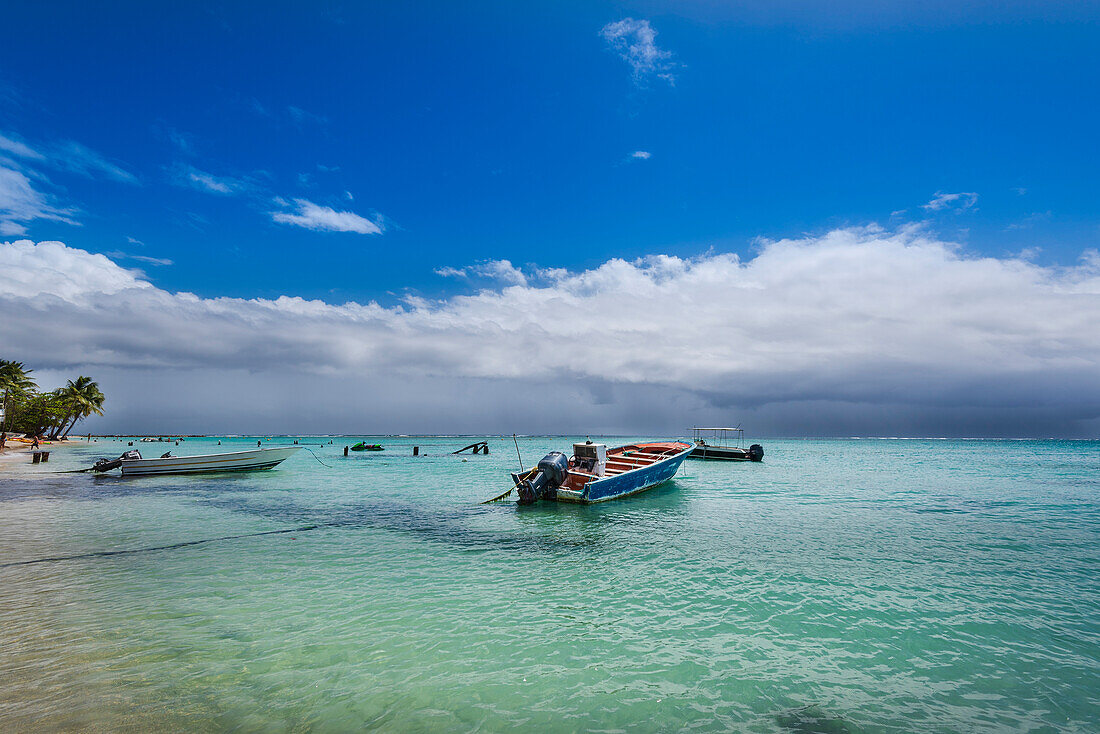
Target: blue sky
439,161
505,131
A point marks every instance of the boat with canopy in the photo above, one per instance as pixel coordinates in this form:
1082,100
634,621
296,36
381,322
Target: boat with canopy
724,444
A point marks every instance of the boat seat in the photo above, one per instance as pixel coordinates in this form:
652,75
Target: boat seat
627,465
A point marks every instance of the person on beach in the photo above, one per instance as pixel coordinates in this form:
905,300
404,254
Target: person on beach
3,439
35,444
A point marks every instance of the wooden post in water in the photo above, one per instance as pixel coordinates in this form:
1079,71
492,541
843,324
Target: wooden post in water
416,451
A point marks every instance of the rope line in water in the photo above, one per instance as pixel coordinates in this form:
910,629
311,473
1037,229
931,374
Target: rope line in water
523,476
315,456
130,551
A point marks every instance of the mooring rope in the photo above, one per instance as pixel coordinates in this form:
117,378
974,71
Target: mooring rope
315,456
522,477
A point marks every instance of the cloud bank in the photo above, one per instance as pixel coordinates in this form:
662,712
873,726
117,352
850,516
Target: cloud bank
860,325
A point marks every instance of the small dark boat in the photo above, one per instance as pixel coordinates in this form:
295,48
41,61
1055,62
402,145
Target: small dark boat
364,446
597,474
720,444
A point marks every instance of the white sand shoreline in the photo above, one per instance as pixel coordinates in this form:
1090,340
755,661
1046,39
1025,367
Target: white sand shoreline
20,453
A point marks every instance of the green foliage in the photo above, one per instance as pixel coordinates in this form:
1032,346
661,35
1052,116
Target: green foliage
53,413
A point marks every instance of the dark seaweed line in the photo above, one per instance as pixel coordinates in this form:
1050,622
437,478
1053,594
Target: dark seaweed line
103,554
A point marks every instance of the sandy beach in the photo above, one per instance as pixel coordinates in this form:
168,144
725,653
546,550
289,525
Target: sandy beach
16,453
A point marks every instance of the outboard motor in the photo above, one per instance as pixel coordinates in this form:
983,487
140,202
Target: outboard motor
756,452
544,485
109,464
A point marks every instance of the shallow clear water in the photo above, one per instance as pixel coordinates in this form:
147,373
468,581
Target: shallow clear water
840,586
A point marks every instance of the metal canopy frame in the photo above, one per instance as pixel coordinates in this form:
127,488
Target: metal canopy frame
721,436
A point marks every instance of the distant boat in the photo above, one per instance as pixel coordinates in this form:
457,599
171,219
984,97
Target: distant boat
133,464
596,474
724,444
364,446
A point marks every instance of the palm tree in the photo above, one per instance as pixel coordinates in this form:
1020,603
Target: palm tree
41,412
83,398
15,382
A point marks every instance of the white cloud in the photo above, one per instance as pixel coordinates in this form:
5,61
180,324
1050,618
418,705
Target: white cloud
21,203
642,154
51,270
80,159
317,217
140,258
1030,221
300,116
187,175
67,155
961,201
856,317
501,271
182,141
19,148
635,42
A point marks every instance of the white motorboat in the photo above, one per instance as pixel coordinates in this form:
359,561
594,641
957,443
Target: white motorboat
133,464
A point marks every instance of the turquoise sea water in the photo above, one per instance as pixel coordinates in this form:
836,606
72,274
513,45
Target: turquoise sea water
840,586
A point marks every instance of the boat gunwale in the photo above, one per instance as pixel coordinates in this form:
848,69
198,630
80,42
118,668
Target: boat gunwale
617,477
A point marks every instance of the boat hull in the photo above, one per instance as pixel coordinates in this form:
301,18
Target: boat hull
718,453
627,483
254,460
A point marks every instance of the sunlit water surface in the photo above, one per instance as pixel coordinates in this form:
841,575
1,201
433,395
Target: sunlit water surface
840,586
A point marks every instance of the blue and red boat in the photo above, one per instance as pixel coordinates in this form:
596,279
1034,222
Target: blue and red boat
596,474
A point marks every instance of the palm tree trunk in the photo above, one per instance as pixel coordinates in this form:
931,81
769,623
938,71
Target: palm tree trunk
61,423
76,417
